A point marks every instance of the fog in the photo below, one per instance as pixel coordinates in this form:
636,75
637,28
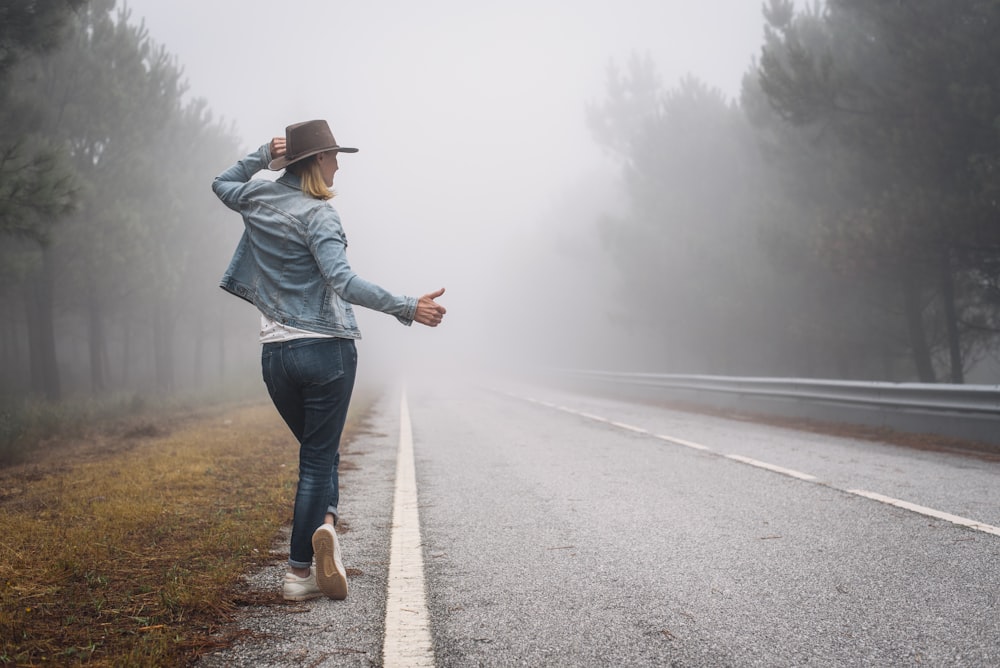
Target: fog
476,172
664,187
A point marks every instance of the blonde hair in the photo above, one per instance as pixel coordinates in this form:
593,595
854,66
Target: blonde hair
311,177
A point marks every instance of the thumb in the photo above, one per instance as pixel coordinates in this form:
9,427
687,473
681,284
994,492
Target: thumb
434,295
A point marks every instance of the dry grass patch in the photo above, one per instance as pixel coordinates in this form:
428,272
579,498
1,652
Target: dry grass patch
133,557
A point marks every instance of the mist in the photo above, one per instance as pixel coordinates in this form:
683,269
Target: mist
596,186
477,171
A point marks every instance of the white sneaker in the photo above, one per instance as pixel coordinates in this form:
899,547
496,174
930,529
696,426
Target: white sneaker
330,574
295,588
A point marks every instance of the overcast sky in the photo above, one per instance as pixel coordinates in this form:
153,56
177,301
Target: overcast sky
469,117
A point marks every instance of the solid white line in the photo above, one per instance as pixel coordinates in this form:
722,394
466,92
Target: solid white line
407,621
930,512
771,467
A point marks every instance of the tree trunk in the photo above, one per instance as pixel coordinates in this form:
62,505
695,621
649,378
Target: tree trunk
915,328
41,330
126,349
163,352
197,353
222,347
13,354
95,332
887,359
951,319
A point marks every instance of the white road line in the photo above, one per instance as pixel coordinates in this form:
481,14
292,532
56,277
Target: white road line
628,427
407,621
923,510
680,441
591,416
930,512
771,467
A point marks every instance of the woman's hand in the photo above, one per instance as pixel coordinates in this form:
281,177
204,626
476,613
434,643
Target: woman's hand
430,312
277,147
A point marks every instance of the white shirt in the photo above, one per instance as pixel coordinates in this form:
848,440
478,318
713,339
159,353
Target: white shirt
275,332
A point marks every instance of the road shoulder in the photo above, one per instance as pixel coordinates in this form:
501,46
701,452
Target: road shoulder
324,632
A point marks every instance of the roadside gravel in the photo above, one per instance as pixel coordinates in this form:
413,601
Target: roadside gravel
322,632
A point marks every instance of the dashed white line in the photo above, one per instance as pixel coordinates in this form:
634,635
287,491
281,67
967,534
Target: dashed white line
923,510
407,622
628,427
771,467
930,512
680,441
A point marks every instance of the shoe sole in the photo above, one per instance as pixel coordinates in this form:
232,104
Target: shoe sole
302,597
331,578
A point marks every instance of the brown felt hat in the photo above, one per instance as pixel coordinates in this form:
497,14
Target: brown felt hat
305,139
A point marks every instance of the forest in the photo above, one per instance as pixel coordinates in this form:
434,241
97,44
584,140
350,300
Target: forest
841,219
105,167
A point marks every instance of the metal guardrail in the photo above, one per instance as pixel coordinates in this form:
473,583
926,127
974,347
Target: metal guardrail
970,412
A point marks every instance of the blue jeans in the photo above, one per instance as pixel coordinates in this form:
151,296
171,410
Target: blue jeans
310,382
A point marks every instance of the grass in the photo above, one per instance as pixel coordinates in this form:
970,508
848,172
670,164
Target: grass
28,425
126,548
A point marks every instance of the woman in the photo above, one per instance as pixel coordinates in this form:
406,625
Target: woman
291,264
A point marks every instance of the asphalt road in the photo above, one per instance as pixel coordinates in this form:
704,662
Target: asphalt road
565,530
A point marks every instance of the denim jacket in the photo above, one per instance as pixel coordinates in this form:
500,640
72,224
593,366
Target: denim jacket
291,262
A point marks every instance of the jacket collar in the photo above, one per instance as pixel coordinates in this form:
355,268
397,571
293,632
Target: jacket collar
291,180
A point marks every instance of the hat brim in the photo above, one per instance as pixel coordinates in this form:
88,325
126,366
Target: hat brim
284,161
